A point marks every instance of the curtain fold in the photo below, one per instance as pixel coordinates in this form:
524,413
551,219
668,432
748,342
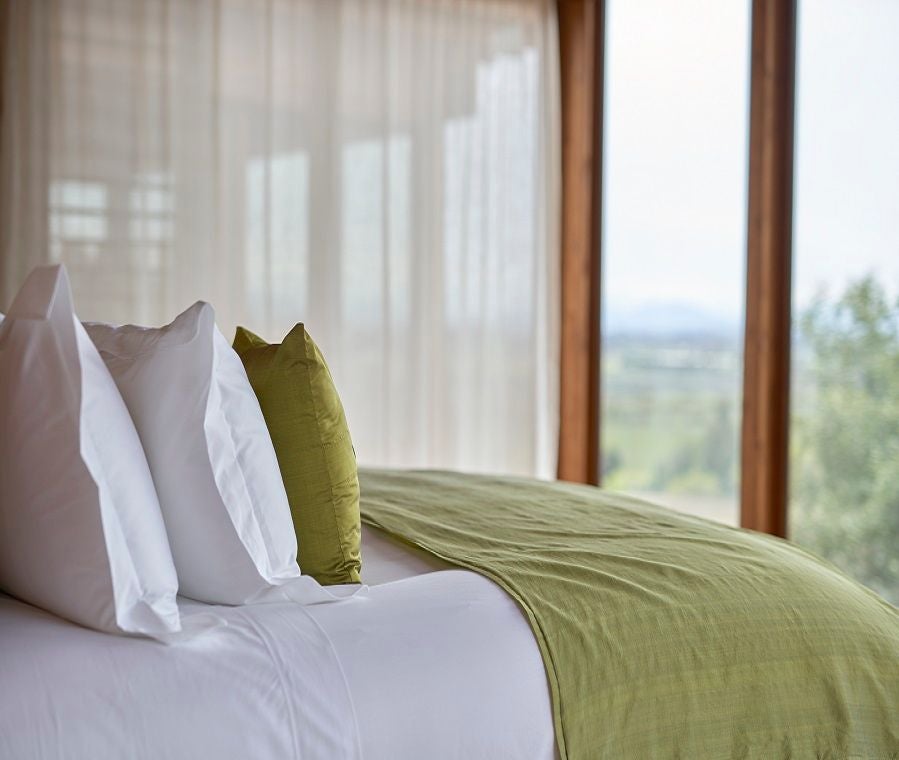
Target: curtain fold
385,171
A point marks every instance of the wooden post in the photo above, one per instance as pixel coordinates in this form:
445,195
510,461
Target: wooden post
766,375
581,54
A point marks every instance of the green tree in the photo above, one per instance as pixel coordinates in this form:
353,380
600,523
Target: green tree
845,441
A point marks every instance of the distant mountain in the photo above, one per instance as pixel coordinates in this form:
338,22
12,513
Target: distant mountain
669,320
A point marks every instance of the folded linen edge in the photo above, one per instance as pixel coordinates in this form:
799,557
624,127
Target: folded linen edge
193,624
303,590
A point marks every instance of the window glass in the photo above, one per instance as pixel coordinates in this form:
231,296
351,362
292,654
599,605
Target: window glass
674,212
844,437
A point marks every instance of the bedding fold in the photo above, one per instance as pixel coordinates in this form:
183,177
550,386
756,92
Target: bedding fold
664,635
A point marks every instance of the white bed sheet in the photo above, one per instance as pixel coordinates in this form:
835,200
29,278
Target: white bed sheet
265,686
385,559
424,663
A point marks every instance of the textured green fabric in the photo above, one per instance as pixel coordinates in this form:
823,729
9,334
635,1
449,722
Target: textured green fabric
663,635
315,453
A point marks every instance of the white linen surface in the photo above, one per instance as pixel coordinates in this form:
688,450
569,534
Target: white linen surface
429,665
265,686
385,559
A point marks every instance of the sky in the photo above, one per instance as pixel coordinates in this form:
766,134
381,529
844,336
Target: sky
676,146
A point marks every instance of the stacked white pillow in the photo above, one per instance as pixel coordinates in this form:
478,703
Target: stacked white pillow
135,472
210,452
81,533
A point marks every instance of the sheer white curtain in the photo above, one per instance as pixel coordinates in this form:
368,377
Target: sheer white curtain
385,171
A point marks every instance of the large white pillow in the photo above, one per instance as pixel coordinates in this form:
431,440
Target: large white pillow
81,533
212,459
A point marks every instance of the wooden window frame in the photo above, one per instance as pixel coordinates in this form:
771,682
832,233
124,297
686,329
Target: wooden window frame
764,467
764,451
581,41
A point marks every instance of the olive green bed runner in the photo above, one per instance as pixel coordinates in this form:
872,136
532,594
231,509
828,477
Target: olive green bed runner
663,635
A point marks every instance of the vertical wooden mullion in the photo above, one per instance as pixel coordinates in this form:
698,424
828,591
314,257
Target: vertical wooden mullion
581,60
766,375
4,22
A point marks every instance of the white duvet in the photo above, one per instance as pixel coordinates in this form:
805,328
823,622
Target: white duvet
423,663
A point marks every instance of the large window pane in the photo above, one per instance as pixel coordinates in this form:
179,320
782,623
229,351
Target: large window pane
845,395
673,250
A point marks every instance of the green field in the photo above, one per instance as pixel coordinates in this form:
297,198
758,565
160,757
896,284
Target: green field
670,420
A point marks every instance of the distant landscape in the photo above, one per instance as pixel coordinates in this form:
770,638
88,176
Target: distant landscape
671,411
671,401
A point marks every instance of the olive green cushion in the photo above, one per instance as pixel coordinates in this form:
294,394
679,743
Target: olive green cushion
309,431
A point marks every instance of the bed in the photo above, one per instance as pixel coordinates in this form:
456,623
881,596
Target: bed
427,661
500,618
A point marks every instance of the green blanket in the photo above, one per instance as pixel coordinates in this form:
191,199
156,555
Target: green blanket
663,635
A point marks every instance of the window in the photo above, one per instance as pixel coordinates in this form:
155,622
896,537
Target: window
77,219
844,465
673,250
92,222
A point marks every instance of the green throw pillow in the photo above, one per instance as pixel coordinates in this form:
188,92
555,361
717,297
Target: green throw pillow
309,431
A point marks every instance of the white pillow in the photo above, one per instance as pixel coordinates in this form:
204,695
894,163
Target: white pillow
212,459
81,534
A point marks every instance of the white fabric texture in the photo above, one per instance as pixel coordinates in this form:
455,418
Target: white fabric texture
386,172
81,533
439,665
442,666
212,459
266,685
384,559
